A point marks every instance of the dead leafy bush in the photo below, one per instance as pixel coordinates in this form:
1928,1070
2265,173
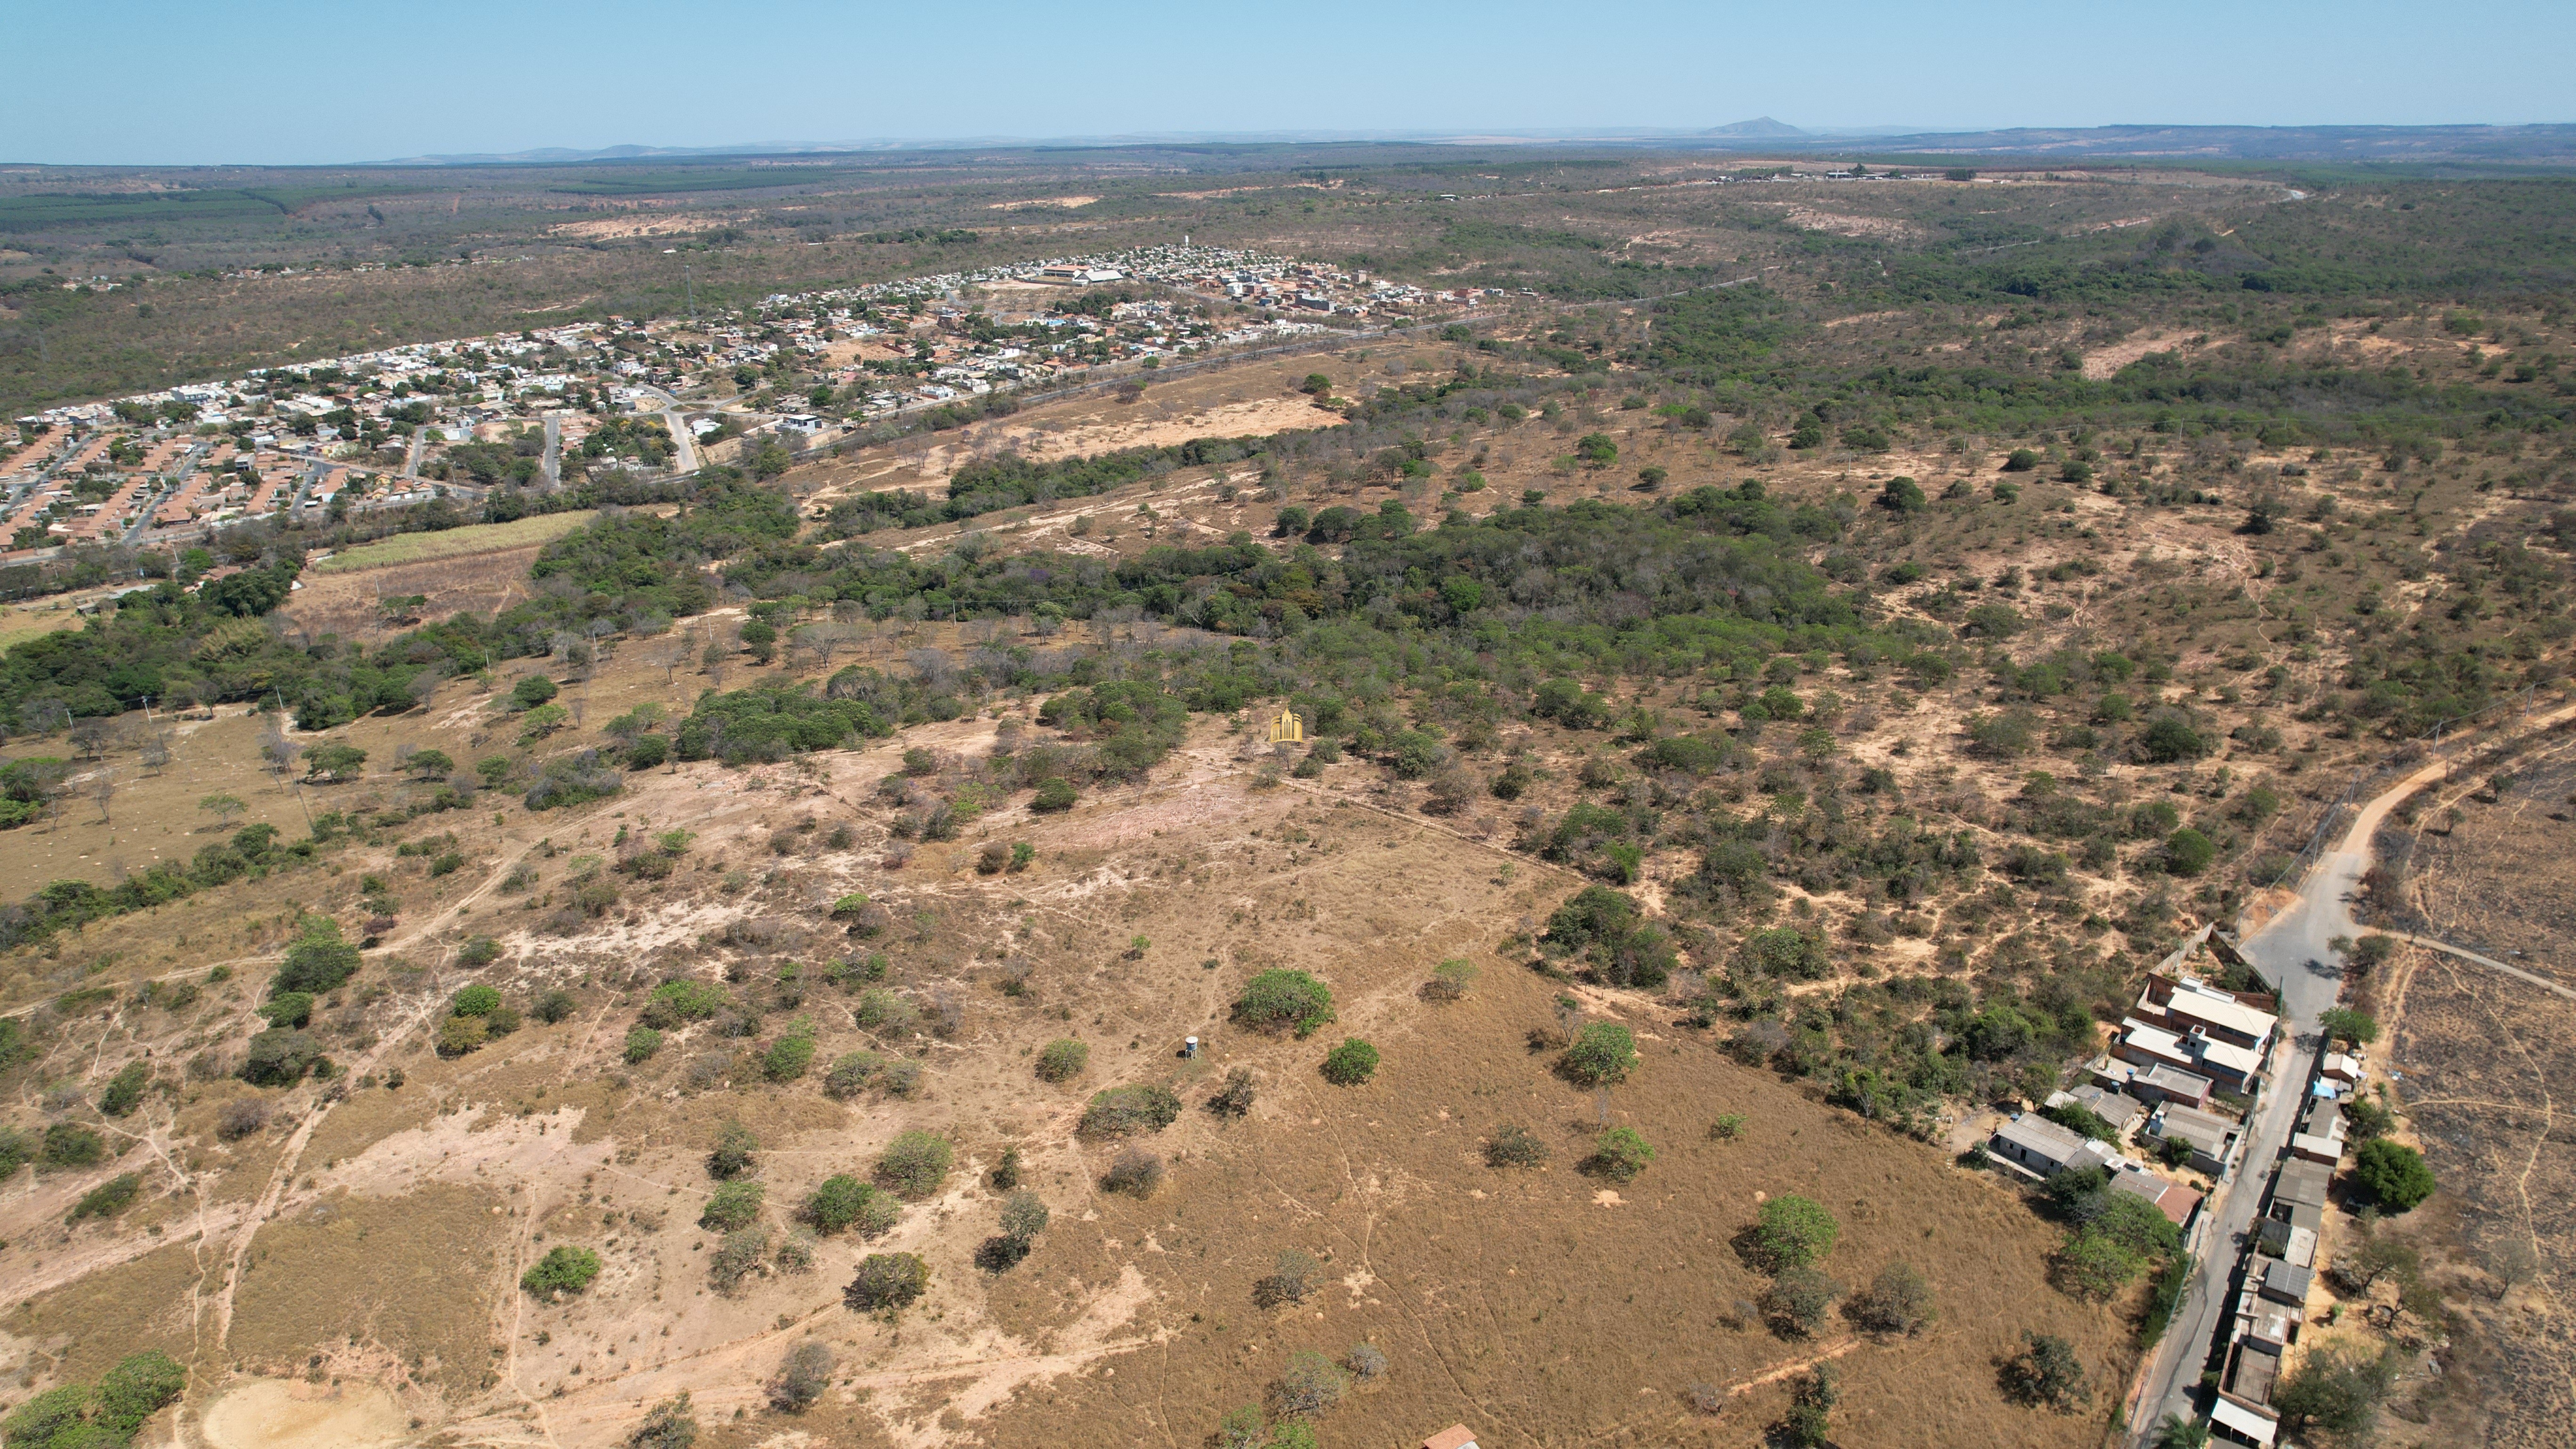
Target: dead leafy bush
241,1117
1135,1172
1291,1279
1233,1097
802,1377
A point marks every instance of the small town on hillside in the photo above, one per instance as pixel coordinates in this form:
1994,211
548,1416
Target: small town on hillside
540,408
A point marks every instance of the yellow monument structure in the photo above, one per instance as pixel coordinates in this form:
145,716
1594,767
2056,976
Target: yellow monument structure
1287,729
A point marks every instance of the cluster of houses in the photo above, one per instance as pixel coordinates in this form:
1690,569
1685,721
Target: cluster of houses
2184,1052
168,465
2189,1059
2282,1260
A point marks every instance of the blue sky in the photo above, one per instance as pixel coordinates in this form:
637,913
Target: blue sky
295,82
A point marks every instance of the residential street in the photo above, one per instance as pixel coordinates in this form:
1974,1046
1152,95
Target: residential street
2292,949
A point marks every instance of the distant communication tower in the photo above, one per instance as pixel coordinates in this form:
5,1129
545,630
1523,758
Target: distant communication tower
1287,729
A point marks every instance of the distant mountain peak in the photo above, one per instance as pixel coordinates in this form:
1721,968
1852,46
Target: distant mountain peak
1758,126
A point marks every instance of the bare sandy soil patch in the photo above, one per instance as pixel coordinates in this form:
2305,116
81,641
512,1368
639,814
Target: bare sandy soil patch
1844,223
2102,362
293,1414
644,224
1067,203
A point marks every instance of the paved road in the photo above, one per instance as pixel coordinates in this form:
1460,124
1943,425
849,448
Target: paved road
684,444
178,479
411,459
554,450
2290,948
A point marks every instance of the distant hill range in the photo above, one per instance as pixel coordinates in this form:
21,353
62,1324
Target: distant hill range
2525,145
2512,147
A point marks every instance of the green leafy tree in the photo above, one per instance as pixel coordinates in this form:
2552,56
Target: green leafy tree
2175,1431
915,1163
1620,1154
334,762
841,1202
564,1269
2394,1175
140,1386
2344,1025
2189,852
732,1206
2336,1392
886,1281
1792,1231
1283,1000
1603,1052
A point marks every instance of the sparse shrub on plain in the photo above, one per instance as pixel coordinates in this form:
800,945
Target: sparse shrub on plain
733,1205
1124,1111
108,1198
887,1280
1062,1060
788,1057
2046,1374
738,1257
241,1117
843,1202
1513,1146
732,1156
1796,1303
124,1091
1350,1064
1449,981
915,1163
885,1013
851,1073
667,1426
1312,1384
1897,1301
641,1043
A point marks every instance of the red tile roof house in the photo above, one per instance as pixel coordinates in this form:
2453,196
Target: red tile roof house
1456,1436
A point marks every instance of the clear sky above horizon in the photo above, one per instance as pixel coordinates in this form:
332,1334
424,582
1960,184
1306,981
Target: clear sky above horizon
292,81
